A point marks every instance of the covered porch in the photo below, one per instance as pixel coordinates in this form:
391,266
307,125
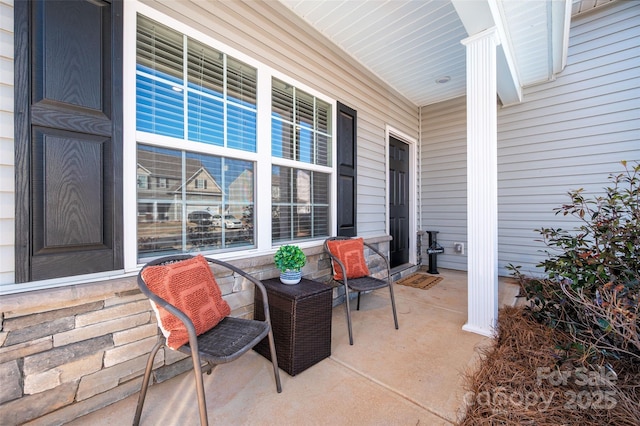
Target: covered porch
413,375
74,336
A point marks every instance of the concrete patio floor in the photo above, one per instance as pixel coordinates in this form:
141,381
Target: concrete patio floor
410,376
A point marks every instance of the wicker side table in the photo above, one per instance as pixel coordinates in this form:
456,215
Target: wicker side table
301,322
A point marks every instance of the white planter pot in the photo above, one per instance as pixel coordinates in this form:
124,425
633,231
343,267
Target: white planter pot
290,277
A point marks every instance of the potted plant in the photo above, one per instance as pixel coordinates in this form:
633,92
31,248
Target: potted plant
290,260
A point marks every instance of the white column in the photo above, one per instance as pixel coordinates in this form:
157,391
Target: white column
482,183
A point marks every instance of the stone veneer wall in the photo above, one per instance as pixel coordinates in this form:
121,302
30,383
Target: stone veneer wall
68,351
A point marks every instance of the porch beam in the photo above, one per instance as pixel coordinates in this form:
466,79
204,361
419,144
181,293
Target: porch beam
477,16
482,182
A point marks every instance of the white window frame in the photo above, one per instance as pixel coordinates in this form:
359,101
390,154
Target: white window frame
262,190
142,181
201,184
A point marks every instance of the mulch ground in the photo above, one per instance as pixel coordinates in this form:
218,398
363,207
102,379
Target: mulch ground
533,375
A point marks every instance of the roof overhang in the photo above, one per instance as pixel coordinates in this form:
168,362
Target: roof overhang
414,46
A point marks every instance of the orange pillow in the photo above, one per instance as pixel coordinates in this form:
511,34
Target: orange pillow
351,254
190,286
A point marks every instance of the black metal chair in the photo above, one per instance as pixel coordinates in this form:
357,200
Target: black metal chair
227,341
361,284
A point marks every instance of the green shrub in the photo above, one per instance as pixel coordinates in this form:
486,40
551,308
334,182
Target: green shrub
591,288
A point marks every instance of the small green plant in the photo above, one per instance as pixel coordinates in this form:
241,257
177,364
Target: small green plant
289,258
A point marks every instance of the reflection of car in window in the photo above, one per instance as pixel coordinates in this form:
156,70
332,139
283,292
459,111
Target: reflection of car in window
216,220
201,218
231,222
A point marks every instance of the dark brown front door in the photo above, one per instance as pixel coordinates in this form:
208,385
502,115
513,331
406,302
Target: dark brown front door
398,201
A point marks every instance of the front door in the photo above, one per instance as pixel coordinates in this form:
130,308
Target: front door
398,201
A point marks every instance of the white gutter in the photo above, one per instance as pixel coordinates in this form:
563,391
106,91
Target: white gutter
560,24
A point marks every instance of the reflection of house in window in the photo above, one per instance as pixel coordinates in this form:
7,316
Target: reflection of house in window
165,203
299,203
303,201
241,194
198,183
303,193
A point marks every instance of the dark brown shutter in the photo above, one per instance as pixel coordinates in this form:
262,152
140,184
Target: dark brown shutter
347,183
68,144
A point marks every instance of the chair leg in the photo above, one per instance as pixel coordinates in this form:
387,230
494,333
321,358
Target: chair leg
393,306
346,298
274,360
197,371
358,307
145,381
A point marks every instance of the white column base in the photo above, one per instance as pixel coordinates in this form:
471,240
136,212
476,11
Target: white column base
489,332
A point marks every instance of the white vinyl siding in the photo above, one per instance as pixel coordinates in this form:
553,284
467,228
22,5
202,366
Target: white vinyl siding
570,133
7,183
567,134
444,178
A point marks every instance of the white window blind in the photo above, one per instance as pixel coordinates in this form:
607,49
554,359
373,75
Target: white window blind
215,96
300,125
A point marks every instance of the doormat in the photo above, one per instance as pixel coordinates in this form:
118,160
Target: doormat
419,280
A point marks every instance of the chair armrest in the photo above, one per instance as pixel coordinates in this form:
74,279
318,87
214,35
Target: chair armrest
379,253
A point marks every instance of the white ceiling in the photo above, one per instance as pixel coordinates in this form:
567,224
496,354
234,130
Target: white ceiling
410,44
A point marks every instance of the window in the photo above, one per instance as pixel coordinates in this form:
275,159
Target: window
214,94
300,204
205,97
196,121
143,181
300,125
300,131
183,216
